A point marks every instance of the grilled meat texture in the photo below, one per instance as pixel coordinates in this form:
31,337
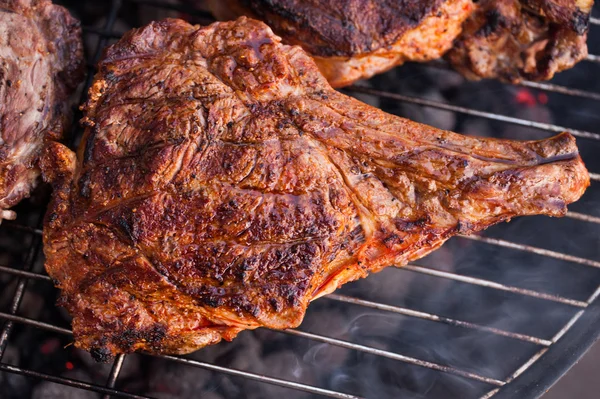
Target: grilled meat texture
41,58
516,40
222,185
356,39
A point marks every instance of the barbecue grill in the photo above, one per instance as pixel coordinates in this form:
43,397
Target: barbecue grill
499,315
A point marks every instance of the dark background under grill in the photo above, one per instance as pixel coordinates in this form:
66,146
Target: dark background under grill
492,316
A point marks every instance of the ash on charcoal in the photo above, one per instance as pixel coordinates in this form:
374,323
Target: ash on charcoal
170,379
50,390
285,365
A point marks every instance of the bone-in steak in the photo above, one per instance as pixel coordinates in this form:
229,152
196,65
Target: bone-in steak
40,64
222,185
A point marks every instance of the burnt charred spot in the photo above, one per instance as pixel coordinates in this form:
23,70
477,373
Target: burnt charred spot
127,228
495,21
155,334
178,264
213,301
90,143
581,22
411,225
246,265
101,354
250,308
291,293
84,185
127,338
275,305
392,239
464,227
209,296
62,300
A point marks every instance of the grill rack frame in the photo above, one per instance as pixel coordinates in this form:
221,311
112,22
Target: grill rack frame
554,359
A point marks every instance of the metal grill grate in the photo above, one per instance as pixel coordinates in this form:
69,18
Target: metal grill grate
586,311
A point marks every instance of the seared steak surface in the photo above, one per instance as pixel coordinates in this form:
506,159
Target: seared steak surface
40,64
222,185
516,40
355,39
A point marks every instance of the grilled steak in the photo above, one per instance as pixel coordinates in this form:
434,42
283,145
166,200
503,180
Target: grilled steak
222,185
40,65
522,39
355,39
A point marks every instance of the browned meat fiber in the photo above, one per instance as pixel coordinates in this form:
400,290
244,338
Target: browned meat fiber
222,185
356,39
516,40
41,63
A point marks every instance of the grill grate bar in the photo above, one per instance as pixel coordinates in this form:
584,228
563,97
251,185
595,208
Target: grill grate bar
100,32
584,217
469,111
540,353
592,58
32,255
411,267
261,378
213,367
490,393
595,176
550,87
392,355
494,285
114,373
535,250
115,7
35,323
560,89
440,319
69,382
20,227
594,21
315,337
175,7
527,364
24,273
410,312
567,326
493,241
576,317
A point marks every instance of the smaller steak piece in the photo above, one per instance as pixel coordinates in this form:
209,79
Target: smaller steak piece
222,185
41,63
516,40
355,39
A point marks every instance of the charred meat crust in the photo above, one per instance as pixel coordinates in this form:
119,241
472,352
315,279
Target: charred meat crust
514,40
222,185
342,28
356,39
